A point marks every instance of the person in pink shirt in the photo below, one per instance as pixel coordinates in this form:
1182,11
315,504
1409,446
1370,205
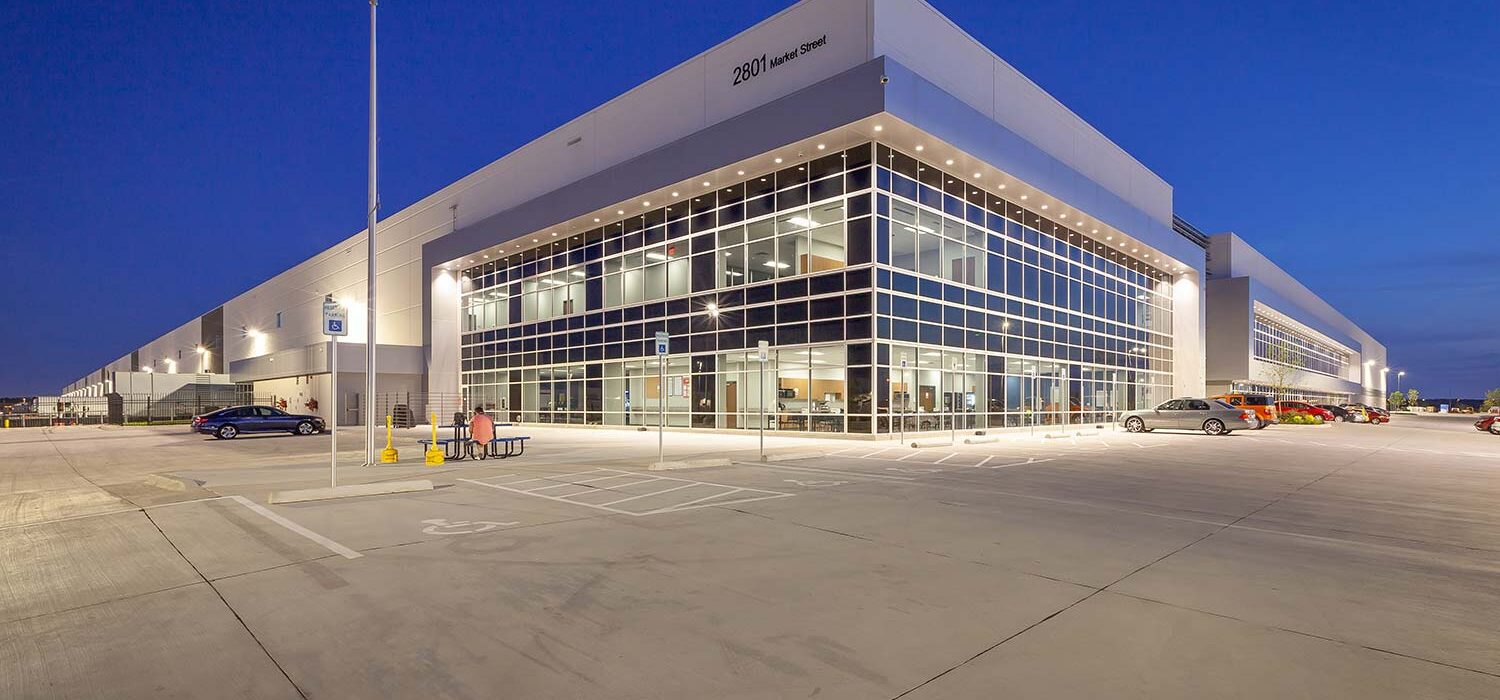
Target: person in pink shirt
481,428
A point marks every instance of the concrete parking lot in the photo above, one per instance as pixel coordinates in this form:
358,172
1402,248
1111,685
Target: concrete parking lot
1335,561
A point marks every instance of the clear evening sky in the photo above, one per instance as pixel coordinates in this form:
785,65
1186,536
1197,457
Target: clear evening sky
162,157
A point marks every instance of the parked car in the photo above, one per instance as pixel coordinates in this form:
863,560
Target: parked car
1209,415
1489,424
226,423
1302,408
1338,411
1262,405
1461,408
1360,413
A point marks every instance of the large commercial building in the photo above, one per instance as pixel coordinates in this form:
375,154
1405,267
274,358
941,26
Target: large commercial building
917,231
1270,334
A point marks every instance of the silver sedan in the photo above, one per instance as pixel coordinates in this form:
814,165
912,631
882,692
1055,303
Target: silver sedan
1209,415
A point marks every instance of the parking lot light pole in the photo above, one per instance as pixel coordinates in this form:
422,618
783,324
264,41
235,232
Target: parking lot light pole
372,210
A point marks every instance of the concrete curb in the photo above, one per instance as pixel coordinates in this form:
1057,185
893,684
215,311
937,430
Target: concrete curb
919,445
687,464
351,491
793,456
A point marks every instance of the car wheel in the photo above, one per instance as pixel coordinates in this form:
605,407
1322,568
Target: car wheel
1260,424
1495,428
1135,425
306,428
226,432
1214,426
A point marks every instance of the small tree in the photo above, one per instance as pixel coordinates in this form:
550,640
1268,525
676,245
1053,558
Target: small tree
1491,399
1413,398
1396,401
1282,368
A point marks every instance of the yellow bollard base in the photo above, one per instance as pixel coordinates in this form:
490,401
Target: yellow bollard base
388,456
433,457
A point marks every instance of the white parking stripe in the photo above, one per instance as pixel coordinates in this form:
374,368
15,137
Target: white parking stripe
951,455
653,493
721,491
332,546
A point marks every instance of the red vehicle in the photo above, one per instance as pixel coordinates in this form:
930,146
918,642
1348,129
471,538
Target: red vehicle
1292,408
1489,424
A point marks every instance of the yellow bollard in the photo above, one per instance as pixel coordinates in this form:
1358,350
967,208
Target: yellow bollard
434,455
388,455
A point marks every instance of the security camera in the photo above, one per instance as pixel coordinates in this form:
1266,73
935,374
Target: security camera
885,79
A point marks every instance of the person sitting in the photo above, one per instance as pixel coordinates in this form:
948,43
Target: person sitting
481,428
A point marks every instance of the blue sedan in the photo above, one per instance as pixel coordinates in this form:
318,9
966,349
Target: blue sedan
226,423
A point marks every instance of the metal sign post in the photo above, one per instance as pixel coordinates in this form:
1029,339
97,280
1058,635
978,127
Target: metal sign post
959,396
905,397
335,324
662,341
762,353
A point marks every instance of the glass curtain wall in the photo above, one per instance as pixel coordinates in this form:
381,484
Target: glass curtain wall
845,265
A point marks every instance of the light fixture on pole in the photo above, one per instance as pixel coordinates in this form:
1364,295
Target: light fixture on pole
1399,375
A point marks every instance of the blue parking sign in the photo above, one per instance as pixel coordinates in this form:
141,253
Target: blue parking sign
335,319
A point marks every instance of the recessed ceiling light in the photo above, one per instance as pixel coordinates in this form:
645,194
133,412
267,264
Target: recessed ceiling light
644,204
1094,231
919,148
554,235
620,212
596,219
949,161
778,162
1002,186
705,183
1024,196
1107,238
821,147
878,127
978,175
1135,250
1044,207
739,172
534,240
674,194
486,258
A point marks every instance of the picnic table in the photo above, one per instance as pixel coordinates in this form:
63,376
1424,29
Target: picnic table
461,445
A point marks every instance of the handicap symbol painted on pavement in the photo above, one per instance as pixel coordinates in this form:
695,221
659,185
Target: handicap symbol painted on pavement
815,482
440,526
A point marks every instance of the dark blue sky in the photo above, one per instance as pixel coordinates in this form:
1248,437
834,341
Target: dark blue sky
162,157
